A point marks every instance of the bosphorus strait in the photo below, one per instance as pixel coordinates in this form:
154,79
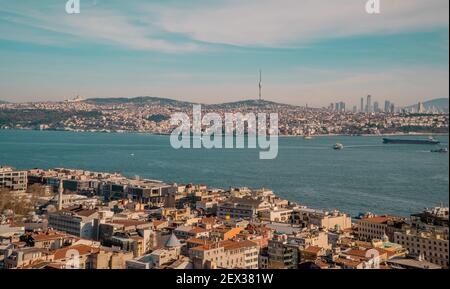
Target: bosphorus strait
366,176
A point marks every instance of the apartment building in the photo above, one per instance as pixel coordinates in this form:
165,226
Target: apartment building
226,254
13,180
159,258
281,215
187,232
78,222
426,236
24,257
322,219
241,208
49,239
309,238
377,227
280,254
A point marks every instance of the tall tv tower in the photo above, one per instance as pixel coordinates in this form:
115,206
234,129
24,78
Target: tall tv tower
260,84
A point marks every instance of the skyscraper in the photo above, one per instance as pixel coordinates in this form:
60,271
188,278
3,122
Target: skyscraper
362,105
387,106
376,107
342,106
369,104
421,108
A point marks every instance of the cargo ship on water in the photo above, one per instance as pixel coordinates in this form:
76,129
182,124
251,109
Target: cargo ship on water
430,141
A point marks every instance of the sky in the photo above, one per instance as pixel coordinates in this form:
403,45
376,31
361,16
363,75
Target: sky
311,52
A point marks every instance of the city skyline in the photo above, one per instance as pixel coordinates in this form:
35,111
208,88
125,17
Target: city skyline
313,53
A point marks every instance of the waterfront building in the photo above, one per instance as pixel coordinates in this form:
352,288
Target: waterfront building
13,180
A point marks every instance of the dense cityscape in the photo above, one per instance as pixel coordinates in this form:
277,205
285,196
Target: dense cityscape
224,144
152,115
71,218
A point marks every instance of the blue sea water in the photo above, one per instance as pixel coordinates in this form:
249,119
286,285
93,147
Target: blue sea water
366,176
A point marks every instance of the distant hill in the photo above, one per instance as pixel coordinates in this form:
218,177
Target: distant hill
438,103
149,100
249,103
1,101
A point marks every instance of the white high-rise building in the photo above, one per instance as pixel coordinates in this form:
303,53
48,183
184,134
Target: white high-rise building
369,104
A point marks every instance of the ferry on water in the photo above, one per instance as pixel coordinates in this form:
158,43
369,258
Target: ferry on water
441,150
338,146
430,141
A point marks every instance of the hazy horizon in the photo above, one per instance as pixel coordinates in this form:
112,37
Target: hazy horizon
310,52
381,103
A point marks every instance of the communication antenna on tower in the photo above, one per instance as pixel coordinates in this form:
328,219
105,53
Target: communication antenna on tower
260,84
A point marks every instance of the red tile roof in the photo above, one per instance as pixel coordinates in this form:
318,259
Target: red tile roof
82,250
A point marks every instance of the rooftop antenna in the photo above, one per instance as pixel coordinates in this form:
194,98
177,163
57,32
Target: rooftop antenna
260,84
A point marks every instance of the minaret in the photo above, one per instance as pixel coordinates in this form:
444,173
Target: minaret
60,194
260,84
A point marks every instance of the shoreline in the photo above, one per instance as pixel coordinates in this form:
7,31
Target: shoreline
280,136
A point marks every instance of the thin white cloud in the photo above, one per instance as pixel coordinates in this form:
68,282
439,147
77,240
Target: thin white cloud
260,23
96,24
294,22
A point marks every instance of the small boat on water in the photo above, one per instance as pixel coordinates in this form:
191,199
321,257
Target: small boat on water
338,146
441,150
307,137
429,141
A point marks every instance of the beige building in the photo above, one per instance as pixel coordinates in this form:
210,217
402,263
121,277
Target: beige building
160,258
24,257
49,239
310,238
241,208
426,236
226,254
322,219
13,180
279,215
78,222
375,227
